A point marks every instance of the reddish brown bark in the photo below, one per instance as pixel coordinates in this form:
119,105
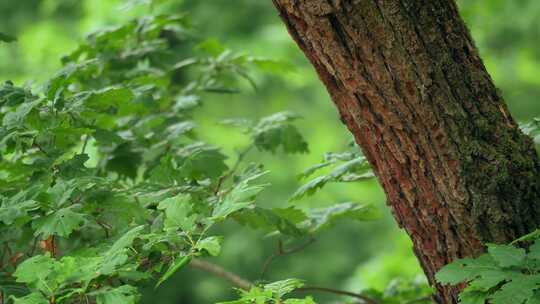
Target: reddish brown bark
410,85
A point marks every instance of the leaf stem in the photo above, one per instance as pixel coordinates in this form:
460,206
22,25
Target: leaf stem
221,272
85,143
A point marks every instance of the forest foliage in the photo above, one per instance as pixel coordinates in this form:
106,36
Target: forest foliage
105,182
106,185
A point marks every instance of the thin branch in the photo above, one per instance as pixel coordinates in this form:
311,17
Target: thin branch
298,248
241,157
106,228
246,285
41,149
86,138
233,169
85,143
34,246
220,182
49,245
281,252
221,272
363,298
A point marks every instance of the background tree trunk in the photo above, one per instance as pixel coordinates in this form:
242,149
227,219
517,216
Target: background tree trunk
409,84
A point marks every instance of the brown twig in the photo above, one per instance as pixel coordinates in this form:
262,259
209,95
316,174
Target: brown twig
49,245
221,272
281,252
106,228
244,284
363,298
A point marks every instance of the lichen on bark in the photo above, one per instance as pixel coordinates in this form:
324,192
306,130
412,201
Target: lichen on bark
409,84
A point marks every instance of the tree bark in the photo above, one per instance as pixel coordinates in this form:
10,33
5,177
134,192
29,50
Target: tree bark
409,84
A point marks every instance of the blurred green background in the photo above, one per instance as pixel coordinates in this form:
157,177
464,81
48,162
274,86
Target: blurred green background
352,256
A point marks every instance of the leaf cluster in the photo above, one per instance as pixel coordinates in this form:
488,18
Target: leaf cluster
275,292
105,185
350,166
505,274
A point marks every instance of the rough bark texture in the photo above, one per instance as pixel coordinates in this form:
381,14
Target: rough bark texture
409,84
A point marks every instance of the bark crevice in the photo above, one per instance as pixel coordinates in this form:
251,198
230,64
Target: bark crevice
409,84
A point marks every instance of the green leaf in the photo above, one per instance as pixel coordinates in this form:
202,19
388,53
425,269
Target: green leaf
116,255
179,129
211,46
186,103
307,300
515,292
531,128
528,237
106,137
125,294
124,160
473,297
241,196
178,263
17,118
63,78
11,95
11,211
277,131
242,123
507,255
283,220
535,299
488,279
281,288
199,161
165,172
103,99
271,65
358,167
34,269
33,298
60,193
464,270
78,269
125,240
310,188
319,219
74,167
212,245
121,212
255,295
534,250
61,223
309,171
179,212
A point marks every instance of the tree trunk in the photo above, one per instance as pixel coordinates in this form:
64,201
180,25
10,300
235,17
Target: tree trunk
409,84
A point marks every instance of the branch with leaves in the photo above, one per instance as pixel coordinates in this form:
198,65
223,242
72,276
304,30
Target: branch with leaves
292,285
